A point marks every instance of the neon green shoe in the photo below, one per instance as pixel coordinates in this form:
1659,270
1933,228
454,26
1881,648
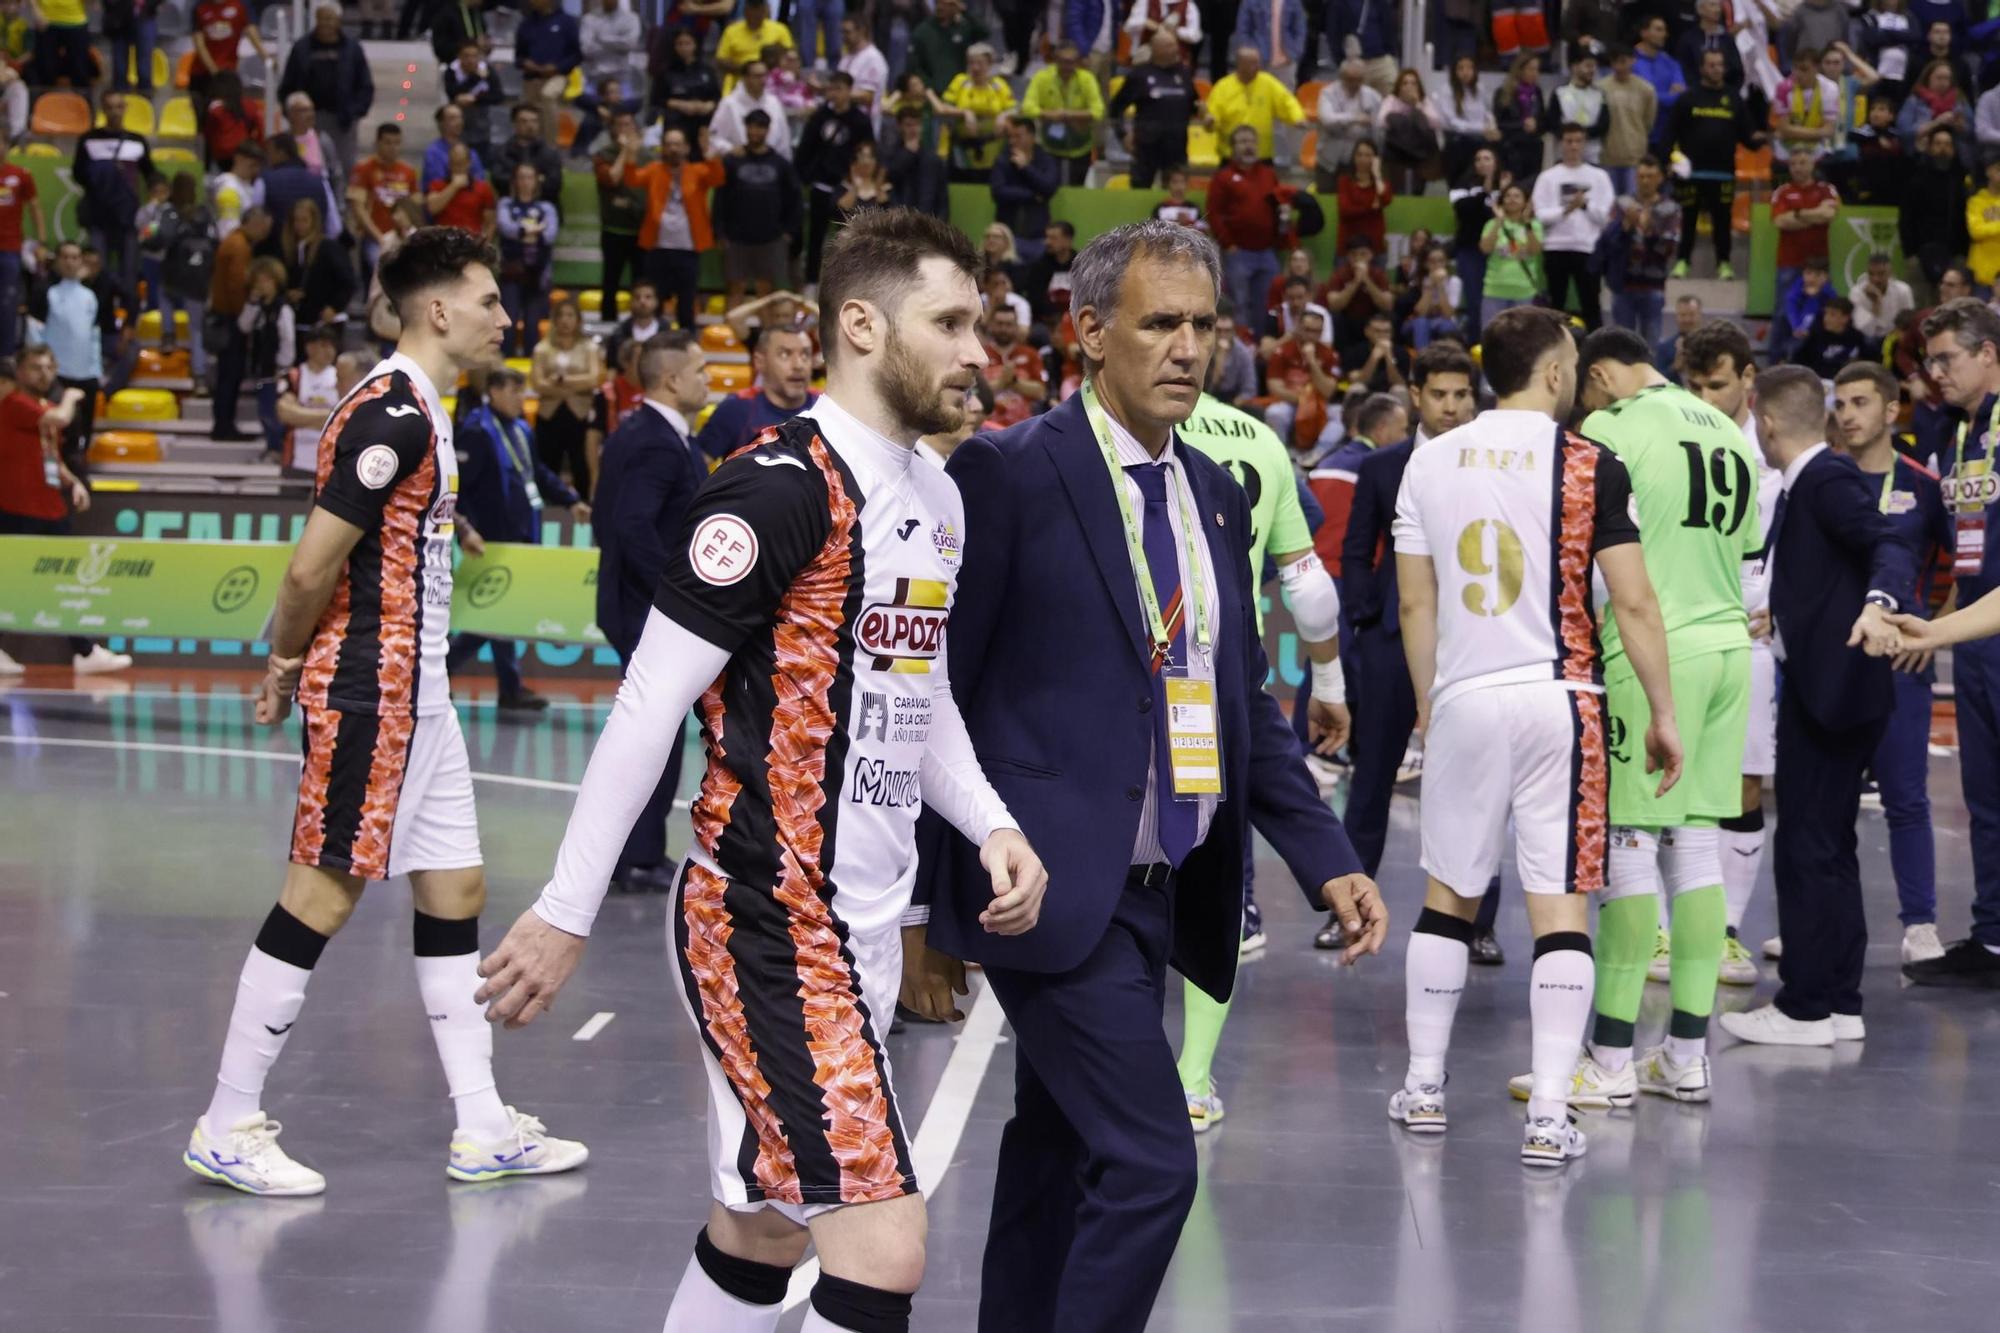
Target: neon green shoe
1680,270
1738,967
1661,968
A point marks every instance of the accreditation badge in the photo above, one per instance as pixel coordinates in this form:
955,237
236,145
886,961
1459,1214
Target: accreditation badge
1194,747
1972,492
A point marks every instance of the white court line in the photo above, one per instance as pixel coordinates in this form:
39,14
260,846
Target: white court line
944,1121
66,692
276,756
598,1022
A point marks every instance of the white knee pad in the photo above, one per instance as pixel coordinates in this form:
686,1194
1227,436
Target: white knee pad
1633,865
1691,858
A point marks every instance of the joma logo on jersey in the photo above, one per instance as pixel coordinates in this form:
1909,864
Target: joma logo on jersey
906,634
877,784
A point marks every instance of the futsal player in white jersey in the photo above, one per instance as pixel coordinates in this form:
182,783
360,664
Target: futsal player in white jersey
1719,369
1497,527
805,610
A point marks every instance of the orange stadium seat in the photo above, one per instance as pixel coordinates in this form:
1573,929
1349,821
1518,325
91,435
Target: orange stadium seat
156,364
125,446
1308,95
184,71
720,338
1309,150
143,405
727,378
60,113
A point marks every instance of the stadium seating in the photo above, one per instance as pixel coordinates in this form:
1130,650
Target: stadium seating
125,446
176,157
720,338
177,120
156,364
591,302
59,112
724,377
1308,95
162,68
48,150
138,116
521,365
149,325
143,405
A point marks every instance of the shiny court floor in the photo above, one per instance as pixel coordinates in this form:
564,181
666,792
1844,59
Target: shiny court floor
142,831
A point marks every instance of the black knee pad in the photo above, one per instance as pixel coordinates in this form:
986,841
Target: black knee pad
862,1308
1563,939
437,937
1433,922
290,940
745,1279
1753,822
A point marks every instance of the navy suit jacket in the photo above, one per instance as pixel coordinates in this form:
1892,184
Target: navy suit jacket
492,495
1834,546
645,481
1368,592
1050,667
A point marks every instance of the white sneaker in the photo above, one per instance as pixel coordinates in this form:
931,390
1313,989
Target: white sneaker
1326,774
9,667
1738,967
1551,1142
248,1158
98,661
1205,1113
1662,966
1661,1075
1774,948
1849,1027
529,1151
1771,1026
1419,1110
1592,1085
1921,944
1412,767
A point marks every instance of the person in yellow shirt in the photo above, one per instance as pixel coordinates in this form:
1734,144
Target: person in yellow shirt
1067,106
971,113
1982,221
1251,97
744,40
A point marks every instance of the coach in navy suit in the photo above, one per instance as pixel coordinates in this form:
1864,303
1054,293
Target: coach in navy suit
1053,661
647,476
1834,555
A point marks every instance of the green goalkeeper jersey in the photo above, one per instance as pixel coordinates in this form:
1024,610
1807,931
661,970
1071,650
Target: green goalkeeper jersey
1261,464
1694,484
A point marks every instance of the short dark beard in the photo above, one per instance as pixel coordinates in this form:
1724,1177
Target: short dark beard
913,399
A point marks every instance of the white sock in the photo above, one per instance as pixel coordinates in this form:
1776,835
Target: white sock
1612,1058
1742,858
701,1306
1559,994
1686,1050
819,1323
1433,978
269,995
464,1041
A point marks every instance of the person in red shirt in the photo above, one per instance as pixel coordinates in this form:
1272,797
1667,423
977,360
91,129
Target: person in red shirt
36,489
231,119
1300,377
374,188
460,201
1357,292
1803,210
1363,199
17,200
1243,215
219,26
1019,380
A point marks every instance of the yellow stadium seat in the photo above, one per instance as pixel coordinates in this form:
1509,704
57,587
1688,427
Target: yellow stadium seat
720,338
521,365
138,116
163,70
125,446
176,157
715,305
40,150
574,88
177,120
1122,181
450,404
725,378
143,405
1117,82
60,112
1202,151
149,325
590,302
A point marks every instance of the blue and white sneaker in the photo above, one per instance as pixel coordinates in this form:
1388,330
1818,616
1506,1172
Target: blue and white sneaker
530,1150
248,1158
1254,940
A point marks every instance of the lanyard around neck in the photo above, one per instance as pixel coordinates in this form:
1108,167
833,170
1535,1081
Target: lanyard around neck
1135,546
1992,428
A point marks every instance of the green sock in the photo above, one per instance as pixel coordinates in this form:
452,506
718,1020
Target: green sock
1701,921
1201,1032
1624,947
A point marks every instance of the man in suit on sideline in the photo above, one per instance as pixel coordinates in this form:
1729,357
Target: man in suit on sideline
1833,554
1073,631
647,476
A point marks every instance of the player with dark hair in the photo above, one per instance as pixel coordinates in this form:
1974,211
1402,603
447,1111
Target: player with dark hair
360,637
805,609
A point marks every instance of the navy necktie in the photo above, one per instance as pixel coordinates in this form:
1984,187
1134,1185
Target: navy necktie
1777,524
1177,819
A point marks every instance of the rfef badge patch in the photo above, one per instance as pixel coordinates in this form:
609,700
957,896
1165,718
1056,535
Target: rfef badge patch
376,467
723,551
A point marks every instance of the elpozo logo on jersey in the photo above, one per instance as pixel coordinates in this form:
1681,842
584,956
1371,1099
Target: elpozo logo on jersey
908,633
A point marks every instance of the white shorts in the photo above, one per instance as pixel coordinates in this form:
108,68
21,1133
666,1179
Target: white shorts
382,795
1760,742
794,1022
1535,752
